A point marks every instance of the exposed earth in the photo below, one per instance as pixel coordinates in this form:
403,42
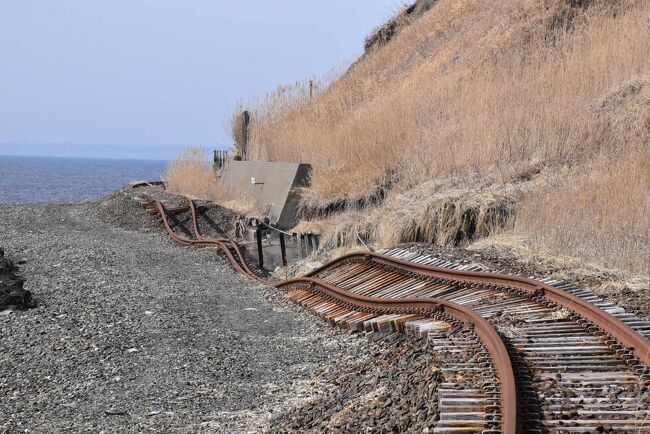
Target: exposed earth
13,295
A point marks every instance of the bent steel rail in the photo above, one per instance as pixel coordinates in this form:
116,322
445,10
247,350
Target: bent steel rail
483,329
635,344
611,325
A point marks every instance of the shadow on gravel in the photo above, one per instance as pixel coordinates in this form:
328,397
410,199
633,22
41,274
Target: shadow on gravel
219,228
12,294
180,225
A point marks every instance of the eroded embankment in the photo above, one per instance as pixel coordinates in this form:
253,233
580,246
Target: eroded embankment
12,293
447,212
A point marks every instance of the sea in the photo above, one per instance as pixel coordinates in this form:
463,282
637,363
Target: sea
63,179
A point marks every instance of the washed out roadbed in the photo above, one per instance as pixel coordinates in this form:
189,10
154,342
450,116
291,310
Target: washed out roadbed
133,333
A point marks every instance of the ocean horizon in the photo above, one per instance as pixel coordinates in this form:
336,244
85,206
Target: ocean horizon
30,179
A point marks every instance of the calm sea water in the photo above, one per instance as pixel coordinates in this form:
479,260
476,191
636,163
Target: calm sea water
45,179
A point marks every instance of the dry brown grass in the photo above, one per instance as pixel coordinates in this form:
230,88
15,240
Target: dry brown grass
471,84
483,86
446,211
192,174
598,212
598,277
602,215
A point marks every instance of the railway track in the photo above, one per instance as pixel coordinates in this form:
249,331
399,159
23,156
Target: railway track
520,355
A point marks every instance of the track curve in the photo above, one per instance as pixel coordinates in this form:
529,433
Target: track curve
347,281
506,419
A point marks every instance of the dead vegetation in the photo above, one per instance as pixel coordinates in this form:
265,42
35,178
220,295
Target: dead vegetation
600,213
470,84
191,173
478,86
383,34
446,211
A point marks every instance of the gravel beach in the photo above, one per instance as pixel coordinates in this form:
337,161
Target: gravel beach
133,333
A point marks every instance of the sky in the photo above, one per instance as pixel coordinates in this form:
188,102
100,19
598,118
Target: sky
159,75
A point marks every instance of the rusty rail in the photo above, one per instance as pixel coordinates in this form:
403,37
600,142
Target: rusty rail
603,322
483,329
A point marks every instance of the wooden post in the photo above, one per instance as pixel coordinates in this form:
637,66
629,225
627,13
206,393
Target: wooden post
260,254
283,250
301,246
311,89
245,120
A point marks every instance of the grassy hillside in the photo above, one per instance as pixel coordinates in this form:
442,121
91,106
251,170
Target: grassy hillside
536,109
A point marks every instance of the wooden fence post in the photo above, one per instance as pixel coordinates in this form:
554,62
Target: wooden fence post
245,120
260,254
283,250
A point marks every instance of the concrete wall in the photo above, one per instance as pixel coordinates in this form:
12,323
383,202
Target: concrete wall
272,184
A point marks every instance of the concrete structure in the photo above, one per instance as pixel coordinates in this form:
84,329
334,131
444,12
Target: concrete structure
272,184
315,265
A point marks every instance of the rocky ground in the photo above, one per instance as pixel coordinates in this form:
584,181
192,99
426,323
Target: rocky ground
133,333
393,390
123,210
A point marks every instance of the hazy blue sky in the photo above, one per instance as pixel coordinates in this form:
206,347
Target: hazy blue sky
161,72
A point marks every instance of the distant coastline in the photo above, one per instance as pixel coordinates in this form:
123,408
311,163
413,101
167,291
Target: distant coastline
75,150
65,157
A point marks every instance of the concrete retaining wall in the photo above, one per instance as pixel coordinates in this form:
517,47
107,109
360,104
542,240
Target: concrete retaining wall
270,183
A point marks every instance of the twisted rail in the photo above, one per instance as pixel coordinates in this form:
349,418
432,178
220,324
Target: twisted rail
609,324
483,329
603,323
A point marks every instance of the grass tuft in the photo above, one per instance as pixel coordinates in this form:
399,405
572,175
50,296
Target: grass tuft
192,174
